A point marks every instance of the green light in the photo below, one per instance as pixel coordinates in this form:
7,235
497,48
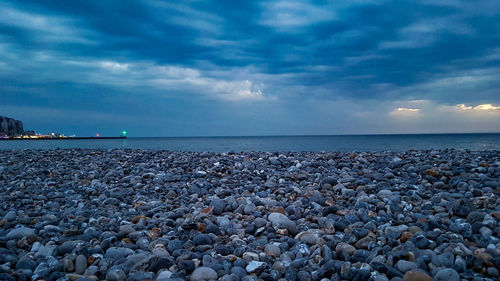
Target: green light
124,133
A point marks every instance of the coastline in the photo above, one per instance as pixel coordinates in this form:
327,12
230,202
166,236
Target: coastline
65,138
161,215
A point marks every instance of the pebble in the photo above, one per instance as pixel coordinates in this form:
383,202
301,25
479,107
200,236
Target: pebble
281,221
202,239
330,180
273,250
80,264
405,266
493,272
116,275
218,205
84,214
164,276
126,229
10,216
203,273
116,253
345,248
447,274
250,256
255,266
18,233
417,275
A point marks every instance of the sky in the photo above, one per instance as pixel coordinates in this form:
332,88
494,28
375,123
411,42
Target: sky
231,68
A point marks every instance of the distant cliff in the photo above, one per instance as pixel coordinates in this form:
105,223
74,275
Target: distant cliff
10,127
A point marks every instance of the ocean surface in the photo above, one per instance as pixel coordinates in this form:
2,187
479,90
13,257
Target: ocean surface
344,143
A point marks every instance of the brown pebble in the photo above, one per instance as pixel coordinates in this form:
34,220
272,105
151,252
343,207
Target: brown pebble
482,255
417,275
207,210
280,210
136,219
330,202
94,257
127,241
432,172
405,236
139,204
410,256
201,227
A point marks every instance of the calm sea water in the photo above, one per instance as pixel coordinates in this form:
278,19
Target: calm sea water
278,143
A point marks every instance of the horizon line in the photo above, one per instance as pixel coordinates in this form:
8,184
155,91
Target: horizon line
315,135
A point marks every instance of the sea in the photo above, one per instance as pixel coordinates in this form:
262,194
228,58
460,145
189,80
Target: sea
340,143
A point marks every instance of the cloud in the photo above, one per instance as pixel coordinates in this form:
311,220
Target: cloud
404,109
484,7
464,107
237,90
288,15
166,77
45,28
351,61
426,32
114,65
232,91
486,107
405,112
185,16
454,86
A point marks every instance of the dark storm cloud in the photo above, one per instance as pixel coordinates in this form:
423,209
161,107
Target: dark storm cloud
114,56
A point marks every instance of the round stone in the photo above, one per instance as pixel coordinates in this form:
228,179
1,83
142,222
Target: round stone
384,193
174,245
116,275
202,239
218,205
405,266
272,250
493,272
203,273
115,253
447,274
126,229
344,248
330,180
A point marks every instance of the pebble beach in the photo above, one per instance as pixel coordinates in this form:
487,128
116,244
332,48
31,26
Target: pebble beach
84,214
